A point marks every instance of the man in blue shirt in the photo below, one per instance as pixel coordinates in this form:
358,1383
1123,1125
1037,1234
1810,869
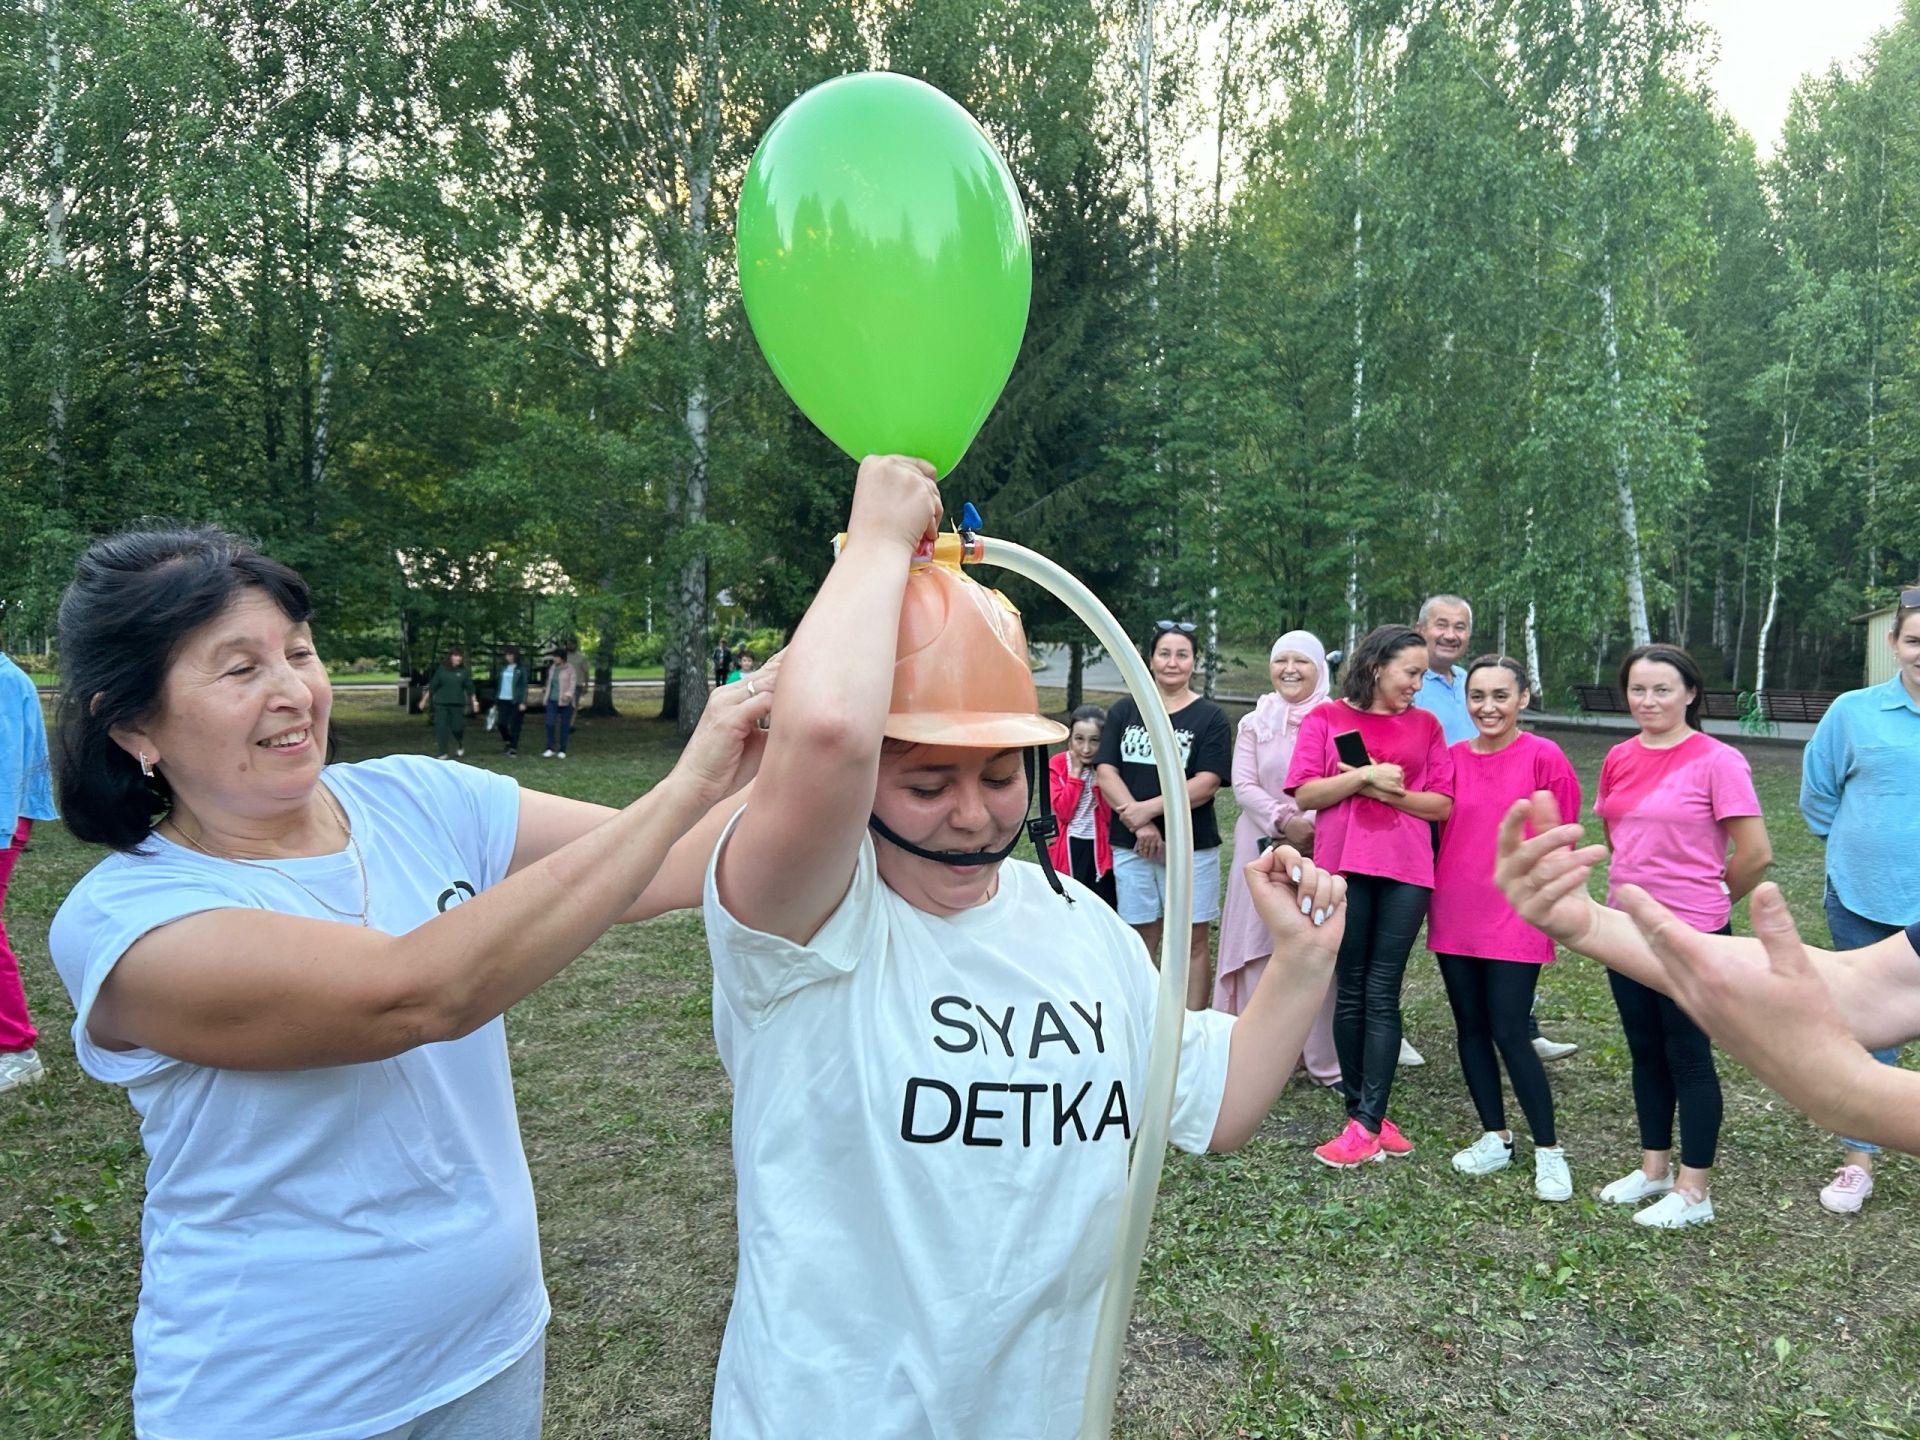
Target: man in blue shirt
1860,792
1447,622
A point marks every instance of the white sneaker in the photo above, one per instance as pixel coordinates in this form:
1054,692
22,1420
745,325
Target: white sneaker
546,754
1634,1186
1674,1211
20,1067
1553,1049
1551,1178
1847,1191
1486,1155
560,755
461,753
1409,1056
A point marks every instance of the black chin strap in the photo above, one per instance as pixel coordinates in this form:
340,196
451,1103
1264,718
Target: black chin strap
1040,829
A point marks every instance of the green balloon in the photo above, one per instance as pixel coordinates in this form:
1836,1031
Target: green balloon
885,265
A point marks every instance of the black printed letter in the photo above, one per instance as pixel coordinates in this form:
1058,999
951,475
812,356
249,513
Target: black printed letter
914,1087
941,1018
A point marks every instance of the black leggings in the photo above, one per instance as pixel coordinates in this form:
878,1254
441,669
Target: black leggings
1672,1064
1085,861
1492,1000
1383,917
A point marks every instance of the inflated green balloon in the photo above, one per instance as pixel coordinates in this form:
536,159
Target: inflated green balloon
885,265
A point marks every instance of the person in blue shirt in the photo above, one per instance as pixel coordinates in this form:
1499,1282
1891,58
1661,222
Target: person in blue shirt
1860,792
510,700
26,795
1447,623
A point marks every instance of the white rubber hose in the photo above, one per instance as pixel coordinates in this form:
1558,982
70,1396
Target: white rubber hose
1163,1058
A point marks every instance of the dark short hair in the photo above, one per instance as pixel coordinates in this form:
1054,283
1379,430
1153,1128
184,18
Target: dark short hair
1375,649
1095,713
513,650
1680,660
1492,661
134,600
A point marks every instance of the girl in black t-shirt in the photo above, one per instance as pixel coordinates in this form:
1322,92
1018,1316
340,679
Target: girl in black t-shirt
1131,783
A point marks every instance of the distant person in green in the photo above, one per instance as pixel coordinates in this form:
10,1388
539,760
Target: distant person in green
450,691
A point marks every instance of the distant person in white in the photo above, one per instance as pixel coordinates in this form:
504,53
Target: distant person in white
298,971
937,1059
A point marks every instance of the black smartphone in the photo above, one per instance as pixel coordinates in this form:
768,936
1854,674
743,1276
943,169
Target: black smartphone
1267,842
1352,749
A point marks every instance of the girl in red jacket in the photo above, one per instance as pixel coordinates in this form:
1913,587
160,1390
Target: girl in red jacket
1082,849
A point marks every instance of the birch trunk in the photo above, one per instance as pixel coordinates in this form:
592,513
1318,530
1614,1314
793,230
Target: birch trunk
1622,476
1787,429
1359,331
57,264
690,320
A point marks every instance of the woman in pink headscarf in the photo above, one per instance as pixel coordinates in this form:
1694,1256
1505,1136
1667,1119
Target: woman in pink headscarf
1298,667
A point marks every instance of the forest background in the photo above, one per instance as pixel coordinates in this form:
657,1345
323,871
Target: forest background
436,300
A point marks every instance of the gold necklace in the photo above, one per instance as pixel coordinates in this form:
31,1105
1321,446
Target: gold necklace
353,843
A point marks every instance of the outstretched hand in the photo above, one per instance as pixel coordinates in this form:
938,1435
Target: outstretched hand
1766,1005
1301,904
728,743
1544,876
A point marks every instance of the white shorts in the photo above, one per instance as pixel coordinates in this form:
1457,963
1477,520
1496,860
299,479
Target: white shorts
1141,886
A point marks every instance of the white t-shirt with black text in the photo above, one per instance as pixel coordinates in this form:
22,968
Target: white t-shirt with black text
930,1134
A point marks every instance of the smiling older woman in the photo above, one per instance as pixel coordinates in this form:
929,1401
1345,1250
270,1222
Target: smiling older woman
277,964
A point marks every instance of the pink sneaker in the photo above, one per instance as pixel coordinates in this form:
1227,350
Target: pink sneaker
1392,1142
1352,1146
1847,1191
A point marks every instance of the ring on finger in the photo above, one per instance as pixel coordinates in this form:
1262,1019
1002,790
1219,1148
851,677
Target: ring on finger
750,690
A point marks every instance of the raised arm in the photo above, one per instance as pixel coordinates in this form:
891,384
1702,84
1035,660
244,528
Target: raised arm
791,859
1874,990
250,989
1772,1004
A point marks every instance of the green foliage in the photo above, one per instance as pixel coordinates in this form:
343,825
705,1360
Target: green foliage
401,291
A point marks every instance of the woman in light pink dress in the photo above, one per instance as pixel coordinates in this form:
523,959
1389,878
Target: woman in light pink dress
1298,666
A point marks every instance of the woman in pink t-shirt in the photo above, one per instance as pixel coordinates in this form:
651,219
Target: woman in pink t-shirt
1673,800
1374,826
1489,957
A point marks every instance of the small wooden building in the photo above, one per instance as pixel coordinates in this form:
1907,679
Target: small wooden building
1880,666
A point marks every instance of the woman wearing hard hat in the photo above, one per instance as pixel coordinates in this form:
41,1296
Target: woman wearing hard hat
938,1056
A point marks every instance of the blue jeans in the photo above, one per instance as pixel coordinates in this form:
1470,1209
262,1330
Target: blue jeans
1851,932
559,718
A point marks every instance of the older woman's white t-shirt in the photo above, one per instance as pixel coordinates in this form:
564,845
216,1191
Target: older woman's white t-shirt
328,1252
931,1125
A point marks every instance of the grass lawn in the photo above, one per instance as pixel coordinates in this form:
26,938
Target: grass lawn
1279,1298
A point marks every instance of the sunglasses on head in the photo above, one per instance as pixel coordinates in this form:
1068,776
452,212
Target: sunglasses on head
1184,627
1910,599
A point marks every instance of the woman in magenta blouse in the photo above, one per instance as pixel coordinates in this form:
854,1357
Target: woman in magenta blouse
1684,823
1489,957
1374,826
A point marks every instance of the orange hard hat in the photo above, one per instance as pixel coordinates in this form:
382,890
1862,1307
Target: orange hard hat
960,673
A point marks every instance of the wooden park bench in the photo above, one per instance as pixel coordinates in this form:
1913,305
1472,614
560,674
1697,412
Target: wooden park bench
1600,699
1800,707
